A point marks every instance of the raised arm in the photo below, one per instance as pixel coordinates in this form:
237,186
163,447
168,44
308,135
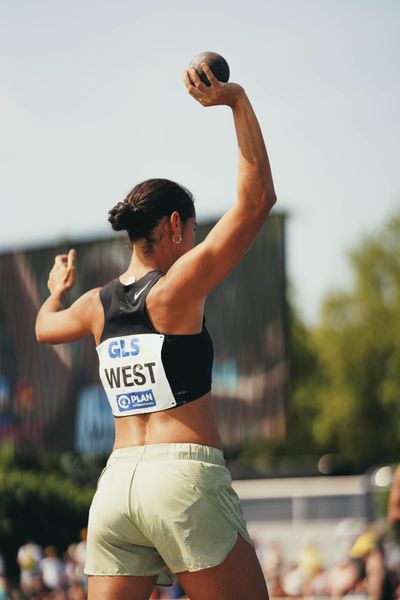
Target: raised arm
54,324
230,238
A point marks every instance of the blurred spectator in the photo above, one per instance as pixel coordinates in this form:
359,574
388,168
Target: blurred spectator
3,581
80,558
76,592
310,565
392,560
318,584
363,573
72,570
374,578
3,592
52,569
344,535
293,582
272,560
309,560
57,594
28,558
275,588
343,578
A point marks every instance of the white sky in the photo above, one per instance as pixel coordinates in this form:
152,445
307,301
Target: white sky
92,101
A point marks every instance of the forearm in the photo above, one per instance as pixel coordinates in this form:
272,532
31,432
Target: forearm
255,185
52,305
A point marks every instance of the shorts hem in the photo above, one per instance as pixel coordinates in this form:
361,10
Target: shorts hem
163,577
200,566
117,572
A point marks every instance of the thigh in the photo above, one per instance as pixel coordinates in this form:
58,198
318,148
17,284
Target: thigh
123,587
239,576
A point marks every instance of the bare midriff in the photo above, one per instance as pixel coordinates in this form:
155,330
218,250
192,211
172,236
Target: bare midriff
191,423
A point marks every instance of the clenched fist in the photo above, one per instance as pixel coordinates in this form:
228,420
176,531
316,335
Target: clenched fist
62,275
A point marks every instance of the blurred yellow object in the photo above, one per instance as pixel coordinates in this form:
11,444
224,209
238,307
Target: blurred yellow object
363,544
309,561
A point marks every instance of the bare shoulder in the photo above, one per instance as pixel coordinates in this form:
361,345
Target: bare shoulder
171,310
89,310
182,282
88,301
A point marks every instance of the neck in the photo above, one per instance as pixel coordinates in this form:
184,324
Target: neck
141,263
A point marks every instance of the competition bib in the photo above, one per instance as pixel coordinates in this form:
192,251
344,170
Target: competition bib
133,374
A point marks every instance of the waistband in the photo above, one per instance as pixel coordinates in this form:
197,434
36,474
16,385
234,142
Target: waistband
176,451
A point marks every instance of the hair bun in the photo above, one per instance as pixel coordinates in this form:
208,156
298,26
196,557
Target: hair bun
120,216
146,205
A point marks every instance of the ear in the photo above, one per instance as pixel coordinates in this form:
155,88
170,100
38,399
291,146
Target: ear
176,222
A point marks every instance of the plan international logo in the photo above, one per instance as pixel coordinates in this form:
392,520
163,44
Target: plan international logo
135,400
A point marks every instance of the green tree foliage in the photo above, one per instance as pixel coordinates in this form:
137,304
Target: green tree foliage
353,398
345,372
304,378
39,505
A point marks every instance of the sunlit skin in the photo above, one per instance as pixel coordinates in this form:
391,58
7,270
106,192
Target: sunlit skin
175,305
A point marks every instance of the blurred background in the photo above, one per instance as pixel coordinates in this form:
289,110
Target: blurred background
306,329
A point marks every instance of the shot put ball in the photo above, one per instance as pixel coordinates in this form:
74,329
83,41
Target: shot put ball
217,64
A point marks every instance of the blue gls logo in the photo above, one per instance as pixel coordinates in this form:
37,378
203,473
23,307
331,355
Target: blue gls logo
119,348
134,400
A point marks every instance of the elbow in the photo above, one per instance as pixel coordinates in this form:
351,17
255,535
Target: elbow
39,333
268,200
266,191
266,196
271,199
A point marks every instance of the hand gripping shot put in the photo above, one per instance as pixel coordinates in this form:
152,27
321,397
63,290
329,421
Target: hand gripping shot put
164,504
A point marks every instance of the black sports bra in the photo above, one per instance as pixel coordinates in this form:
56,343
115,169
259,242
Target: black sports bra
141,369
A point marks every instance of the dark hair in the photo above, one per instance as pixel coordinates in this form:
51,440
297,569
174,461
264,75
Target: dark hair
145,206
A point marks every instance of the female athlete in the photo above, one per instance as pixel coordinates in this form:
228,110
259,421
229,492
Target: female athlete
164,503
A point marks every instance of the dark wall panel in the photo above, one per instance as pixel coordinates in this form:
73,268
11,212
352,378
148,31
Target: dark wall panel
50,397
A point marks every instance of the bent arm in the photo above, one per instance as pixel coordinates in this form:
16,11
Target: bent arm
55,325
230,238
228,241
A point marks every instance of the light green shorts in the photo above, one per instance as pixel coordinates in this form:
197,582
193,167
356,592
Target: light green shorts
161,509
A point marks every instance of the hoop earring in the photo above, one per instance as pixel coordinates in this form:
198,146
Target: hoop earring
177,241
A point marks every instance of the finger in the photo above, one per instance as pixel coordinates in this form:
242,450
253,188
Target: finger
210,75
193,91
61,259
71,259
194,76
187,81
197,94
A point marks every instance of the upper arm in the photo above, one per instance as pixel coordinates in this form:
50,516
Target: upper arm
210,261
84,316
